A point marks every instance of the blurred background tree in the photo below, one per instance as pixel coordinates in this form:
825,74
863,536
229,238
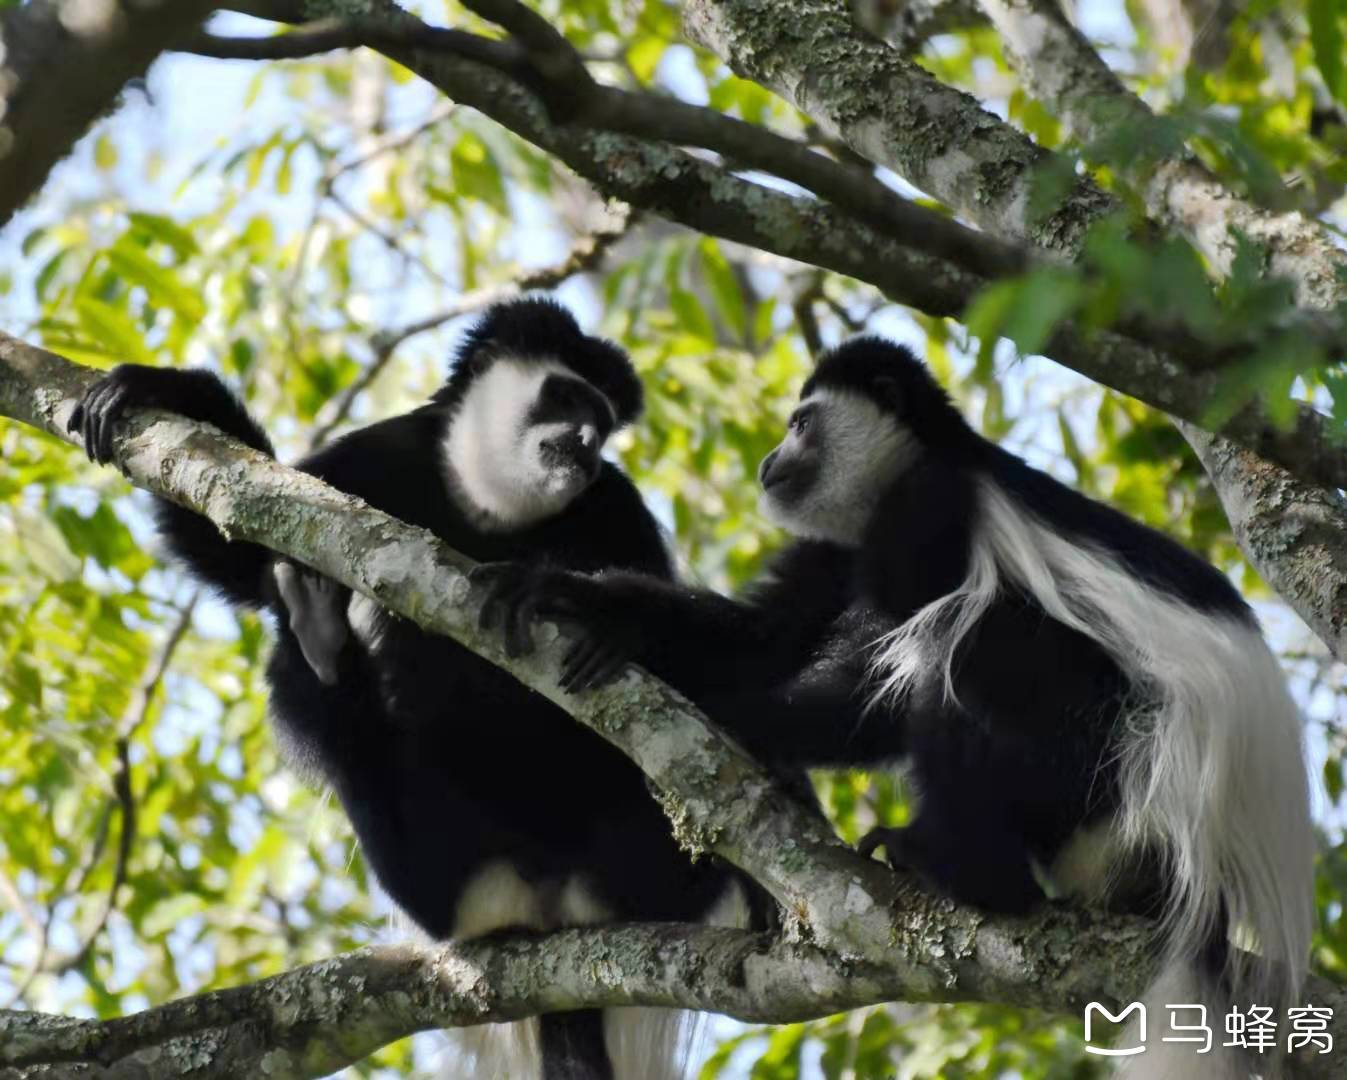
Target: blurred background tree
320,229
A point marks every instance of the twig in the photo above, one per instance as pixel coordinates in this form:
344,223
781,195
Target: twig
329,35
394,141
555,57
805,319
388,239
571,94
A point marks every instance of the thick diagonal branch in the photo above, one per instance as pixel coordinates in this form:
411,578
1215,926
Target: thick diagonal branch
720,799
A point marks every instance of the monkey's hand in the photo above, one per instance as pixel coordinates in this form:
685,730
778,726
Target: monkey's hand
891,840
517,594
195,394
127,386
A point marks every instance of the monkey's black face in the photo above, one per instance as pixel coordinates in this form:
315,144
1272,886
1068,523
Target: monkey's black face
791,471
525,441
571,421
839,454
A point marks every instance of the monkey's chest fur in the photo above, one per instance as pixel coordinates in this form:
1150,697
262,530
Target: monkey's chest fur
466,789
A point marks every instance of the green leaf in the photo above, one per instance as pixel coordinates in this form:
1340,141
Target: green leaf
692,316
724,286
1043,300
1327,40
644,57
987,313
477,174
1333,778
111,328
105,153
167,231
160,283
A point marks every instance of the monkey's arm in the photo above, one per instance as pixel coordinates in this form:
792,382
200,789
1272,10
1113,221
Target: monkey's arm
695,639
237,571
817,720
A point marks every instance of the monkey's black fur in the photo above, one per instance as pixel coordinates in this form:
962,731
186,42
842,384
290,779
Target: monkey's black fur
444,762
1008,771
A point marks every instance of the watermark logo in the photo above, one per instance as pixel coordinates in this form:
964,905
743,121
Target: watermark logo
1095,1009
1254,1028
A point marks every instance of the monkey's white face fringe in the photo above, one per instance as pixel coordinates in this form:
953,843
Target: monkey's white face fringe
1212,762
494,456
863,451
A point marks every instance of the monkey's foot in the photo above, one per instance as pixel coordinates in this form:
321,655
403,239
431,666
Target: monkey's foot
316,607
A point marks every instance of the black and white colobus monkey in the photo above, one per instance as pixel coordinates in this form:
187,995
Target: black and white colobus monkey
478,804
1085,705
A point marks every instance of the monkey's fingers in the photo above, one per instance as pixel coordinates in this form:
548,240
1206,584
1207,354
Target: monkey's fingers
590,674
609,667
575,662
109,412
75,424
500,582
90,418
82,418
519,624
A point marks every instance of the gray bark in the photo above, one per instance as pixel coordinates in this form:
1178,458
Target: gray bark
883,106
705,197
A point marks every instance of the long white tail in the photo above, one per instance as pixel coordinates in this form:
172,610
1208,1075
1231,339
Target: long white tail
1212,764
1180,984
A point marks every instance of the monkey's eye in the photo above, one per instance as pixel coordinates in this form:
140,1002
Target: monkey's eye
800,422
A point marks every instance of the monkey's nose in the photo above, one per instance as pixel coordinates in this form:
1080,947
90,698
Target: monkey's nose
765,469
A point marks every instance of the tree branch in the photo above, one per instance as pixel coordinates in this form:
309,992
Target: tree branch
63,66
1060,68
861,244
706,198
329,35
316,1019
868,95
908,24
251,497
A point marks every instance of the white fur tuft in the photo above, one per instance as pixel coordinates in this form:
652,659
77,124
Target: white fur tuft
643,1043
1211,757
